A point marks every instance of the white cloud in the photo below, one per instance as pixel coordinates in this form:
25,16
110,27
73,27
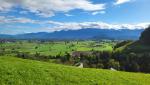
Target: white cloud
68,15
98,12
48,8
51,26
5,6
121,2
96,25
12,19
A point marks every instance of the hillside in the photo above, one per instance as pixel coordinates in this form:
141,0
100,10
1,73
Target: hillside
135,56
137,47
15,71
140,46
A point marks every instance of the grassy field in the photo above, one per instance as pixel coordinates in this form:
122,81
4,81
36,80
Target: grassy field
16,71
54,48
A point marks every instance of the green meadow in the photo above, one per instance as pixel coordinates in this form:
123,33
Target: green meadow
57,47
17,71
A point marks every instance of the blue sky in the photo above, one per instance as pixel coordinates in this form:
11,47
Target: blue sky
25,16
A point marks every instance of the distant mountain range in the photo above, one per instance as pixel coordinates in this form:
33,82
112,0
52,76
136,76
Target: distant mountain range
122,34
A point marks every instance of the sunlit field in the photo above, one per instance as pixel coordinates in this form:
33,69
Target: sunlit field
16,71
56,47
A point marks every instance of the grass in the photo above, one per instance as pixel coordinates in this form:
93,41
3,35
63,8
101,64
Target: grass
54,48
134,47
137,47
122,48
16,71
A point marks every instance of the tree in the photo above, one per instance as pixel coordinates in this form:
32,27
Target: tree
113,64
145,36
135,67
65,58
36,47
100,65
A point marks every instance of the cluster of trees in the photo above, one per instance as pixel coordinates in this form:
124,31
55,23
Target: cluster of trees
98,59
2,51
36,56
131,62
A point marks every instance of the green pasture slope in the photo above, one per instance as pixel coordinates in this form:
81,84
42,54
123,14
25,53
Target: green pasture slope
16,71
57,47
134,47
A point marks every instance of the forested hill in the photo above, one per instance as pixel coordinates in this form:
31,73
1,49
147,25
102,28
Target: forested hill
136,54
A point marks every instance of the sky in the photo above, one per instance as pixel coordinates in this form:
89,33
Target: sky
27,16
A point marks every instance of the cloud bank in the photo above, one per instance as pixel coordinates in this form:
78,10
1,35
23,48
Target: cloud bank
51,26
97,25
48,8
12,19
